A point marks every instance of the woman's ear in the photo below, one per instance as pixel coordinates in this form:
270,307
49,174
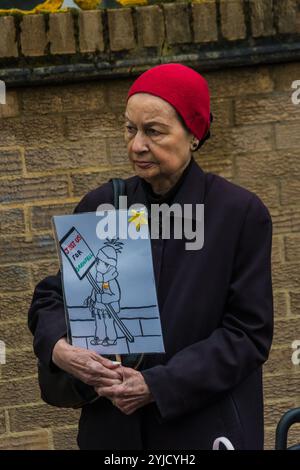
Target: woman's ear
194,144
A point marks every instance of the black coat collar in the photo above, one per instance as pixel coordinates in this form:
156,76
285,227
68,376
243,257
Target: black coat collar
192,191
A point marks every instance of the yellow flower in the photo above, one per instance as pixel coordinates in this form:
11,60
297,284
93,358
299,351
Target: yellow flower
48,6
88,4
137,217
132,2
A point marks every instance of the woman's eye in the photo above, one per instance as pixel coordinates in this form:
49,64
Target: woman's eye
130,129
153,132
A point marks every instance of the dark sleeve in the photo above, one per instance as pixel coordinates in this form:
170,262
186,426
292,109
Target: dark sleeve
46,316
202,372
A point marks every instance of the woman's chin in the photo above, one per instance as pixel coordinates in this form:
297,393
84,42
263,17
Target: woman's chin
146,172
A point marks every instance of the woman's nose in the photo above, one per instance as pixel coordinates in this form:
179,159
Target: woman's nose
139,143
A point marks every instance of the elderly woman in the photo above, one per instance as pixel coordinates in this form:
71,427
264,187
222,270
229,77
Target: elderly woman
215,302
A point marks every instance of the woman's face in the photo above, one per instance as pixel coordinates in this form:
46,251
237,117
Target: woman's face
158,145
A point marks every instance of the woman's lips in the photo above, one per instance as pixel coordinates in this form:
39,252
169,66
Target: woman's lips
144,164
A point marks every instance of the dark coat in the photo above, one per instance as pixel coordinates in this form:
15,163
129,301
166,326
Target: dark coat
216,311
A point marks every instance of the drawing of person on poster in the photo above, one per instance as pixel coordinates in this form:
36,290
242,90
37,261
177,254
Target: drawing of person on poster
108,295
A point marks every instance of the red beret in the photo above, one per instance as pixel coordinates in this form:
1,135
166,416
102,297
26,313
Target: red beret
182,87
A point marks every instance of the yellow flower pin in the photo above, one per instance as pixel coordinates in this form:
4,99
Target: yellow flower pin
137,217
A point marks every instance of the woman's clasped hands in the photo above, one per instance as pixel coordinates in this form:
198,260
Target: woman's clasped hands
123,386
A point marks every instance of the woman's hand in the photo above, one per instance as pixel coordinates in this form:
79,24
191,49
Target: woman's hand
86,365
131,394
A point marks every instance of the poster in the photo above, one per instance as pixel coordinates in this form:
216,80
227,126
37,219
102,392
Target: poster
108,281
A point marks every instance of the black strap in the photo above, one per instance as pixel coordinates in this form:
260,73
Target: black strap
119,189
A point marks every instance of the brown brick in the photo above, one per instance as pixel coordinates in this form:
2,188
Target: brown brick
262,18
67,155
177,23
117,151
232,19
19,363
266,164
288,16
238,140
19,392
61,34
295,302
42,100
282,386
275,410
33,35
35,130
89,125
90,31
266,190
41,215
282,221
14,306
43,269
26,441
280,303
296,220
14,278
10,162
294,432
287,135
213,164
221,109
266,109
8,44
65,438
292,247
205,21
53,99
22,249
11,107
269,437
286,220
83,183
116,96
248,80
2,421
41,416
284,76
280,361
121,32
16,335
290,193
150,26
286,331
277,249
286,275
31,189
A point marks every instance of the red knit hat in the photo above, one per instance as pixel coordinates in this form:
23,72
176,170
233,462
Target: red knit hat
186,90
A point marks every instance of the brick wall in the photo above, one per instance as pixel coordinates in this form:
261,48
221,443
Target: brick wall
59,141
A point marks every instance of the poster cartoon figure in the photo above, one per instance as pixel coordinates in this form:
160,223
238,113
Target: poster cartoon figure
109,294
